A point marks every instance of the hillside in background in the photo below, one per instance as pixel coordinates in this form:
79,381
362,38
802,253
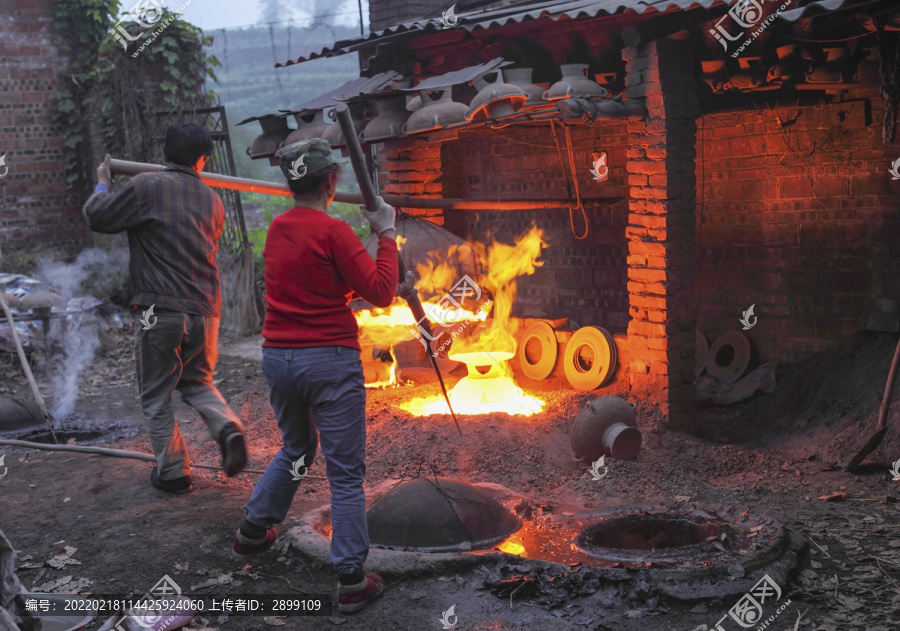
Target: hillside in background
249,84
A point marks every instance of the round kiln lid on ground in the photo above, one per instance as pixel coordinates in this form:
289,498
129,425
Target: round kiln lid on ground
438,514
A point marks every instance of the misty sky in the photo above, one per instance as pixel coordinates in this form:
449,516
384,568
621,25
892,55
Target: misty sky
216,14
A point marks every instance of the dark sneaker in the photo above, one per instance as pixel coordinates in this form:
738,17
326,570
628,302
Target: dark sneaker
176,486
352,598
246,547
234,450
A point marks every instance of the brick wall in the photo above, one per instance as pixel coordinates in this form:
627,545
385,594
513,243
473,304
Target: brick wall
581,279
661,250
35,211
800,218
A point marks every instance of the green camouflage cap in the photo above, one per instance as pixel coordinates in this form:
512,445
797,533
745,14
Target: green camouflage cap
305,157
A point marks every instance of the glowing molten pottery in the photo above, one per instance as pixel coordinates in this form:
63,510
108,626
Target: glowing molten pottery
488,388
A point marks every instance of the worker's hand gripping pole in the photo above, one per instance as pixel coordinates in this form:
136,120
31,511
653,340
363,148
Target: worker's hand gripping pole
368,194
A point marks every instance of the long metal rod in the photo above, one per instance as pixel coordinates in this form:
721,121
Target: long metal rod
368,193
120,453
125,167
26,368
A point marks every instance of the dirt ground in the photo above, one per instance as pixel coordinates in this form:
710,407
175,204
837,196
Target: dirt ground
774,454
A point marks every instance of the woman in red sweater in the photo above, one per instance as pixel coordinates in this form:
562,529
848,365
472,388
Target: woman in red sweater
314,264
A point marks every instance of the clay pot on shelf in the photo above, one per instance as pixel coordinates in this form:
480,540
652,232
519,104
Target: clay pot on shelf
751,74
831,71
789,67
574,82
714,75
521,78
438,110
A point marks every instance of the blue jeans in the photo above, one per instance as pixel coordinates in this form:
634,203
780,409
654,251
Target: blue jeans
318,390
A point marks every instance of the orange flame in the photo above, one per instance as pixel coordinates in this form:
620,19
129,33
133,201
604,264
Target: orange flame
489,386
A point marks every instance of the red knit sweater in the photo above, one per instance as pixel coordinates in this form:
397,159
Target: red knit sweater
314,263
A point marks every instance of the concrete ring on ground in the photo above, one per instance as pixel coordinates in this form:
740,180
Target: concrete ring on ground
590,358
729,357
538,351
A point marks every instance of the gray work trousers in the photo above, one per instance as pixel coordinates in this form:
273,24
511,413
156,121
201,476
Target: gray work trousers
179,352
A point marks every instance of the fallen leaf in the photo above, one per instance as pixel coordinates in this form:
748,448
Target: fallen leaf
275,621
833,497
208,583
63,558
850,603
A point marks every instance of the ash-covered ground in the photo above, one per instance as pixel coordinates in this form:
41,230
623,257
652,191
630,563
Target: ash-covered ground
774,454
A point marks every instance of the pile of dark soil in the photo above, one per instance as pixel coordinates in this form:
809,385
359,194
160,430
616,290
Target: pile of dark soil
826,406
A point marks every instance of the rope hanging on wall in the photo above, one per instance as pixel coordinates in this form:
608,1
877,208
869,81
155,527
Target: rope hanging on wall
571,166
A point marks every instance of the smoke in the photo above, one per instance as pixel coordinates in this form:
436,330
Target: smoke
79,346
79,334
67,278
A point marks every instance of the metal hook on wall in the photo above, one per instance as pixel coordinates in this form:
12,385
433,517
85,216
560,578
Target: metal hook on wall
571,166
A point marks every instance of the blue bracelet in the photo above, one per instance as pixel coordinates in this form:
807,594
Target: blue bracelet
101,188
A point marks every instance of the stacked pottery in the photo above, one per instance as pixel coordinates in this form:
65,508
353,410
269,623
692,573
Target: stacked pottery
310,124
388,115
274,130
714,75
438,110
790,65
333,133
751,74
521,78
413,102
831,70
495,99
574,82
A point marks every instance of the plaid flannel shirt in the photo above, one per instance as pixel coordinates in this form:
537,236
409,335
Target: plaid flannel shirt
173,221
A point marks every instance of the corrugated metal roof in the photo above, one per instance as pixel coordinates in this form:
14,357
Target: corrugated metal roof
795,14
521,12
355,87
459,76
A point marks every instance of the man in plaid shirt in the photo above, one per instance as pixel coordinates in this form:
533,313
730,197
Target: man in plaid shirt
174,221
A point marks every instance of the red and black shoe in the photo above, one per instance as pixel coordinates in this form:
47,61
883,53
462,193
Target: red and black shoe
352,598
245,547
